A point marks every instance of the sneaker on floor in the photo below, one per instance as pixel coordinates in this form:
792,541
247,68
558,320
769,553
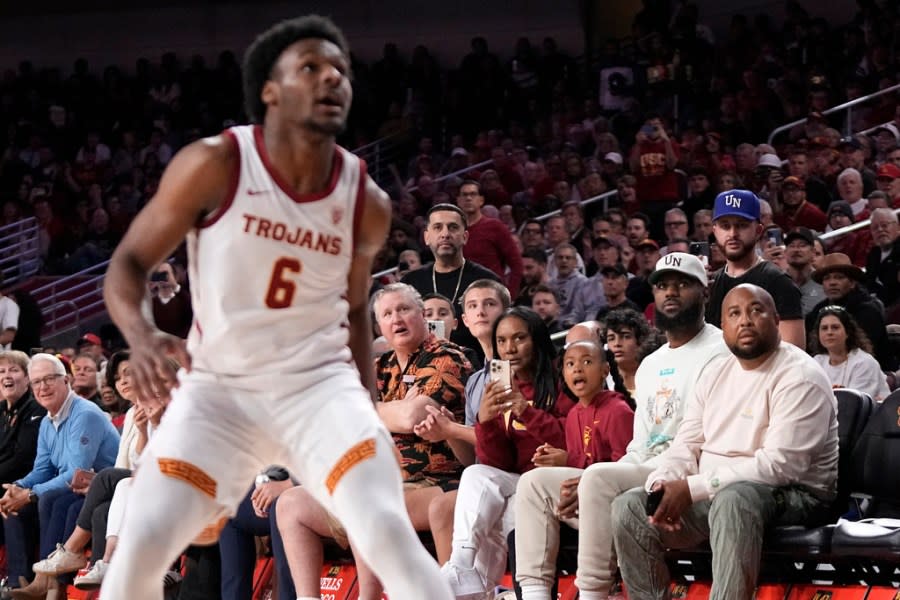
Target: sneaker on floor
465,583
93,577
60,561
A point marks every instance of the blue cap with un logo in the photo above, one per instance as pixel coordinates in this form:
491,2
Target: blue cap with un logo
738,203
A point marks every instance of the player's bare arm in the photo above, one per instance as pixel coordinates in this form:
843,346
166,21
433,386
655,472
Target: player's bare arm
373,231
194,185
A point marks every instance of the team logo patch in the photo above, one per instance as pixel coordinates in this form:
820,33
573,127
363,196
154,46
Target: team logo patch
336,215
355,455
188,473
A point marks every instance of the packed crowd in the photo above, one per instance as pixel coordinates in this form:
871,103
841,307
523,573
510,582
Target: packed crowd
710,229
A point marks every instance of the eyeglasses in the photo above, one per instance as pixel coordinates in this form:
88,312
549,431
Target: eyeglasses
674,223
48,380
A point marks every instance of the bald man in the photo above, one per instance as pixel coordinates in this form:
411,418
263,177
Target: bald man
585,331
758,447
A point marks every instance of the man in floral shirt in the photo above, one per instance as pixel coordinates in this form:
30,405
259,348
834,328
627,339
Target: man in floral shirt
419,375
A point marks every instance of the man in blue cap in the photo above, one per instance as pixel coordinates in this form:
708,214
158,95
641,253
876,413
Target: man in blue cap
737,229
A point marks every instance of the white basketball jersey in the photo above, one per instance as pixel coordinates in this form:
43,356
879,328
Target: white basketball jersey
269,269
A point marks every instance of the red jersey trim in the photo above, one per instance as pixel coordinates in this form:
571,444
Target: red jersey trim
360,200
235,176
336,165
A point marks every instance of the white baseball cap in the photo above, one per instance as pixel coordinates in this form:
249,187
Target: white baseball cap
613,157
680,262
769,160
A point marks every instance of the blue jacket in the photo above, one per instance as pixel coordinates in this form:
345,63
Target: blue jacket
86,440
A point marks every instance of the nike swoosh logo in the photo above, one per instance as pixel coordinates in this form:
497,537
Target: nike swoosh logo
256,192
36,417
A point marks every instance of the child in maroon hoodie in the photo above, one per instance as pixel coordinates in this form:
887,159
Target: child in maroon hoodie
599,427
512,423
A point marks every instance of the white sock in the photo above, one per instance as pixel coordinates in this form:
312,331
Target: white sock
535,591
592,595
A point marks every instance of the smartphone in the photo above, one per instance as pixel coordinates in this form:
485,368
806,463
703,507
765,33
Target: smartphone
438,328
159,276
776,236
500,372
653,500
648,130
701,251
34,351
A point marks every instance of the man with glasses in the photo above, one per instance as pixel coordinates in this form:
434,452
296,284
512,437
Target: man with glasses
75,434
533,236
489,244
676,226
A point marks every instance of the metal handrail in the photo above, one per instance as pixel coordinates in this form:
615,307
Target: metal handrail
365,147
455,173
846,105
20,224
604,196
874,128
850,228
35,292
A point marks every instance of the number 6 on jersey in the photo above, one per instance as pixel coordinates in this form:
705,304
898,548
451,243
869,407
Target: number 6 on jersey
281,285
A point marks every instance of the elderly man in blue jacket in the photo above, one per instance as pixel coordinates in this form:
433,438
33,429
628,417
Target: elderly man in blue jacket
75,434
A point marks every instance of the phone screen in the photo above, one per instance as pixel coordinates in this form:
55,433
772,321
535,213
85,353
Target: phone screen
775,236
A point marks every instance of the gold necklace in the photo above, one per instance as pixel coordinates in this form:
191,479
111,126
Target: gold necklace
458,281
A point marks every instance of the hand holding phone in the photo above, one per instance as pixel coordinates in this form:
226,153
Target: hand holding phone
653,500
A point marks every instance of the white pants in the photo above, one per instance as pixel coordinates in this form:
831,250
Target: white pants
218,432
482,519
117,508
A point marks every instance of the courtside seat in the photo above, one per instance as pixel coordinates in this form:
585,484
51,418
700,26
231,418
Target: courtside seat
876,470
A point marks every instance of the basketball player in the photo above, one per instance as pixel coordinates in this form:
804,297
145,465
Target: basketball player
282,228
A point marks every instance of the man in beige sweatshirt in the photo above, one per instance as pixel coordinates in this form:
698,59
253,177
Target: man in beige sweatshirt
758,446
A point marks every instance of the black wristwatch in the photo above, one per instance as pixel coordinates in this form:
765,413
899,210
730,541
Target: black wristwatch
32,496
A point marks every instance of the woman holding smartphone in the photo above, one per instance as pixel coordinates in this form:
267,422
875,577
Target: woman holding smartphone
517,415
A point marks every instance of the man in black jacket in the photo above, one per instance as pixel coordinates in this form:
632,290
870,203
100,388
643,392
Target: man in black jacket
843,283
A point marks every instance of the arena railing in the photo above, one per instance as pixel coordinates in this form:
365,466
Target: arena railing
468,169
66,301
20,255
848,106
605,196
379,155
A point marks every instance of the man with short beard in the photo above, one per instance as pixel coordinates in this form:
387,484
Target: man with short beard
799,255
795,210
883,262
758,447
534,274
737,229
663,384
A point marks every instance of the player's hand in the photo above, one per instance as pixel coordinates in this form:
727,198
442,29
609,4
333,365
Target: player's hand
437,426
263,496
568,499
495,400
548,456
675,500
150,370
